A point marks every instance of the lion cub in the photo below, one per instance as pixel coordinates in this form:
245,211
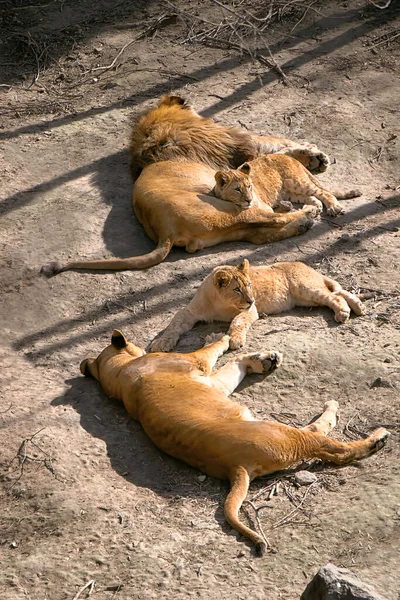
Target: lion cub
238,294
276,180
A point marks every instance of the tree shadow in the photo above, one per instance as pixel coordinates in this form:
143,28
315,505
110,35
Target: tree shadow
258,255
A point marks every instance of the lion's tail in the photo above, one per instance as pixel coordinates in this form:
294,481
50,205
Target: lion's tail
240,480
113,264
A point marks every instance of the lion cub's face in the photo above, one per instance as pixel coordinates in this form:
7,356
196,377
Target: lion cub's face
234,285
235,186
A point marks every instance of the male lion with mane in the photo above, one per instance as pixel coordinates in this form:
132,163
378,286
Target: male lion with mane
176,153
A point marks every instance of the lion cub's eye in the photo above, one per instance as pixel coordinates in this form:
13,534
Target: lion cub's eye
238,190
250,187
237,290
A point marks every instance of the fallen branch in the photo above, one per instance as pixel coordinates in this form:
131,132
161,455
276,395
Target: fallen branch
141,35
256,511
23,457
290,516
88,586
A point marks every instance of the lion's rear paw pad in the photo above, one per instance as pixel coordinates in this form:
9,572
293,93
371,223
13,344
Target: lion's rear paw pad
381,439
265,362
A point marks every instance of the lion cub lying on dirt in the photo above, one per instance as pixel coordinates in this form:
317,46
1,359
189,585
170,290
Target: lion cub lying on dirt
185,410
275,180
238,294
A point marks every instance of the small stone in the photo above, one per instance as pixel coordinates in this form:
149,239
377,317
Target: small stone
338,584
387,360
380,382
201,478
345,237
129,547
305,478
13,545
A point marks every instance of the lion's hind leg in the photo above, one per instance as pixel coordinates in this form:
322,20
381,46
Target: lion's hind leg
328,293
341,301
215,346
342,453
227,378
308,191
326,421
352,300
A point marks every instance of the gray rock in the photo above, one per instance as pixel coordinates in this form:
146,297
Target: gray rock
333,583
304,478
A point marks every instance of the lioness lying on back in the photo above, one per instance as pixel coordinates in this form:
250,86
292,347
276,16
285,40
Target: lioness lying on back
183,406
238,294
273,180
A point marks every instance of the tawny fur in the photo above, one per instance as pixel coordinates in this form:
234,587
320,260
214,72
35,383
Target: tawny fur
184,408
239,294
274,180
179,152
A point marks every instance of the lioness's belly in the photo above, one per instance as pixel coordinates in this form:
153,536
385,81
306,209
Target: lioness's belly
185,418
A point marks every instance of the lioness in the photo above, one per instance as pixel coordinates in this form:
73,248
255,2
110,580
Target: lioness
179,152
238,294
273,181
185,410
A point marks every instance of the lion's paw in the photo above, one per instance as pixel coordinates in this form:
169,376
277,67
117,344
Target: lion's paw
237,341
310,209
307,220
264,362
215,337
319,162
379,439
334,211
163,344
342,316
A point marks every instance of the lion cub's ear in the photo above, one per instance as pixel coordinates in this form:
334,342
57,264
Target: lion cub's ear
245,168
244,266
222,178
171,100
118,340
222,278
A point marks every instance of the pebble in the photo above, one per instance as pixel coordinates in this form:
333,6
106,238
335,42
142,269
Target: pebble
305,478
380,382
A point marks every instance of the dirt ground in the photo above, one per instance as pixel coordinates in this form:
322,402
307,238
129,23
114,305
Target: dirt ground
91,498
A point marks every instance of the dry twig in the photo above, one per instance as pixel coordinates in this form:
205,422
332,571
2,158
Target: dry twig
88,586
256,511
23,457
290,516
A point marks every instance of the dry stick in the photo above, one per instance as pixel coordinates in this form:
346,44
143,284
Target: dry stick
284,520
89,584
387,3
136,39
389,39
271,548
272,63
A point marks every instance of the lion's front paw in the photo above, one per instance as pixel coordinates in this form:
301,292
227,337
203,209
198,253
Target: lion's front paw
236,341
319,161
164,343
264,362
342,316
334,211
215,337
307,220
310,209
